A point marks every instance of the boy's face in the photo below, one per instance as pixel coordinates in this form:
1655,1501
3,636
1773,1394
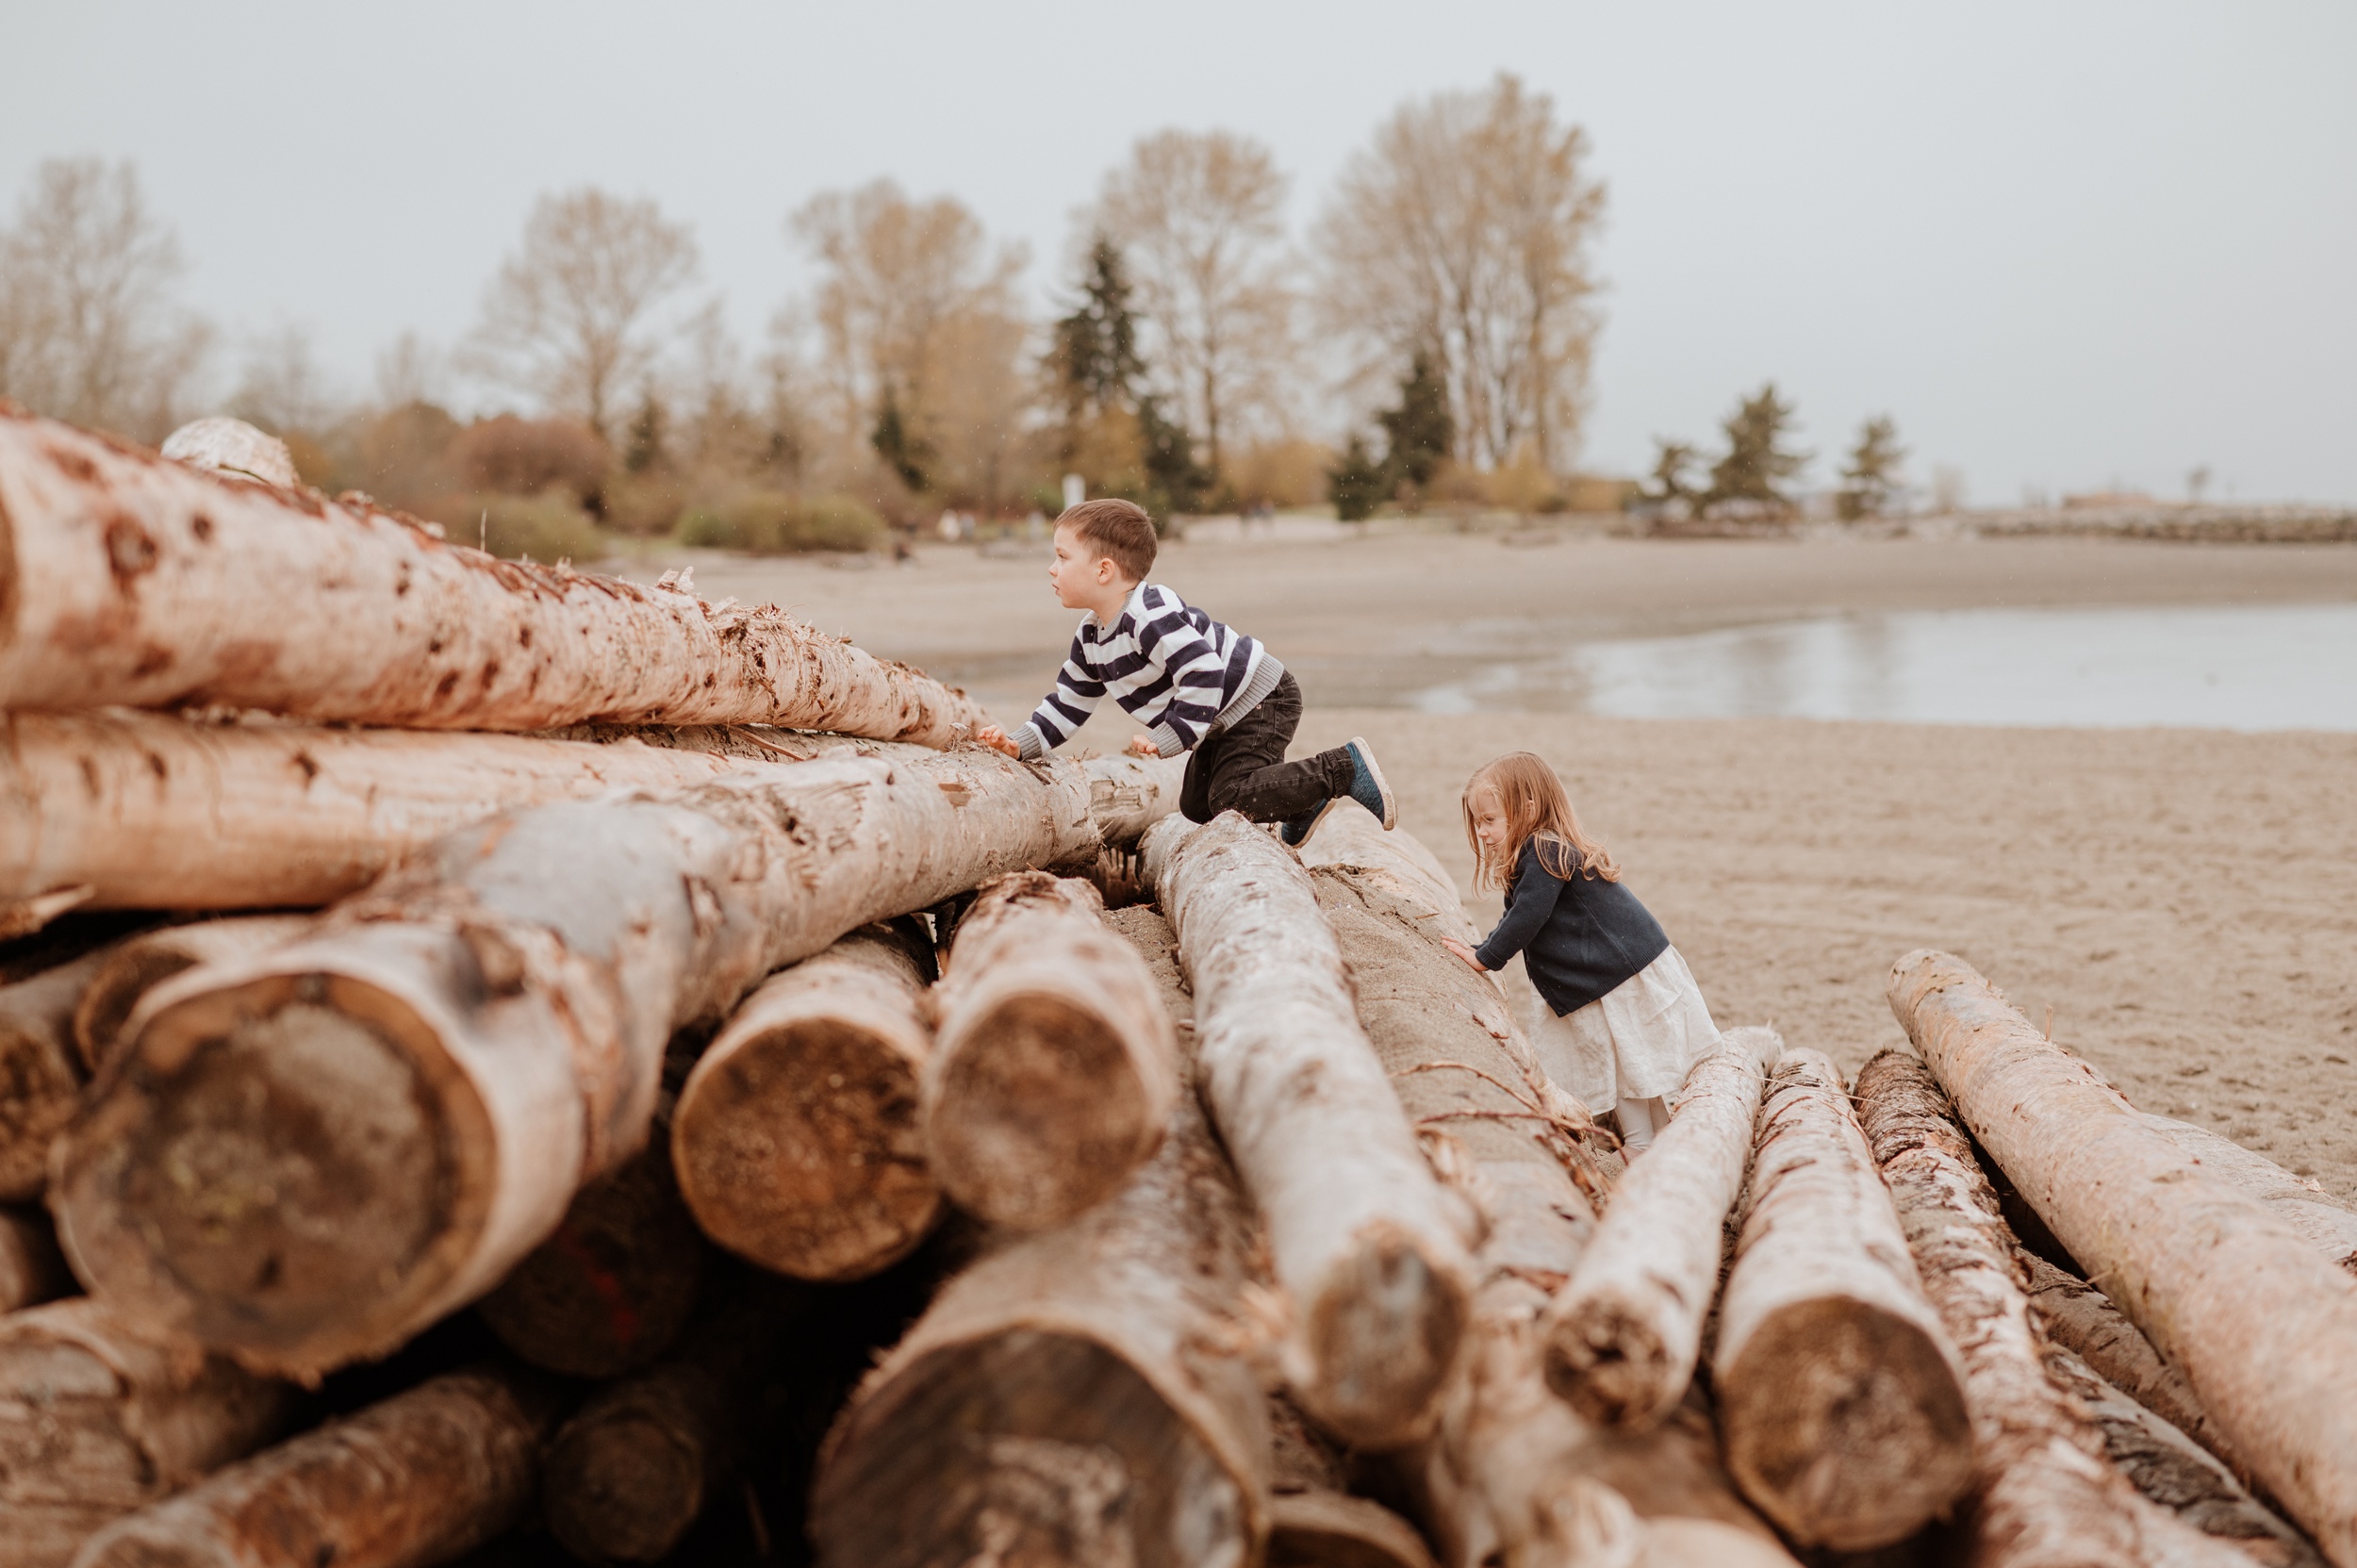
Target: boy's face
1083,580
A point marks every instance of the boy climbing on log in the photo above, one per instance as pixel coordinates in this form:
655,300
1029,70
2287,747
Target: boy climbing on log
1198,686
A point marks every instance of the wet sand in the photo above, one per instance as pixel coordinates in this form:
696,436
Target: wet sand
2184,902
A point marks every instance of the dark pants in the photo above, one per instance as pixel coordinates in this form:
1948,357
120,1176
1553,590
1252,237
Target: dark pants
1243,768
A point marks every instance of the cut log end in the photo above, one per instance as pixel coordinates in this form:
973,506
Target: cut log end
1612,1365
275,1152
1042,1448
1382,1334
1044,1110
1331,1529
623,1491
1845,1425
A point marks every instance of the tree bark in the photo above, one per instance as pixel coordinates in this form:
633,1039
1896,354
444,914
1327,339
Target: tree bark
420,1087
134,968
1080,1395
2082,1319
2174,1473
1840,1397
1624,1336
414,1480
41,1072
1509,1472
1361,1235
795,1142
32,1270
144,583
2046,1495
1054,1068
98,1420
2323,1221
610,1288
2188,1257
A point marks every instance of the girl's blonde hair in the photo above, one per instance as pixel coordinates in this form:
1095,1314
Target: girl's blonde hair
1535,806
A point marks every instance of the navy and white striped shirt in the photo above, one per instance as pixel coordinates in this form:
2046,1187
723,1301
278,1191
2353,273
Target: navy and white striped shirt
1172,667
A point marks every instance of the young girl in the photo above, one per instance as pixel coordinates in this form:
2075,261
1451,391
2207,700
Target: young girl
1623,1019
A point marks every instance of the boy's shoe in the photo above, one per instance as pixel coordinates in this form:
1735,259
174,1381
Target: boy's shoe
1297,832
1367,785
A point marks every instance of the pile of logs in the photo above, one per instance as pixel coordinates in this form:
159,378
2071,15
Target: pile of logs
506,1065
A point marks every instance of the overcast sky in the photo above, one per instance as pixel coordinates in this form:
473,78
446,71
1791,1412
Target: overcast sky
2067,245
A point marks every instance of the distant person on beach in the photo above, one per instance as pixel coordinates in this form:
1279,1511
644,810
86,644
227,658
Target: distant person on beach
1623,1020
1198,688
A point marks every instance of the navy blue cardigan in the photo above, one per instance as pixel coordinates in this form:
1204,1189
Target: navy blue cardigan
1579,938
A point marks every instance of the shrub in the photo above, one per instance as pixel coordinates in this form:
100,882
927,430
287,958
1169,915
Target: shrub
766,522
547,528
530,456
645,505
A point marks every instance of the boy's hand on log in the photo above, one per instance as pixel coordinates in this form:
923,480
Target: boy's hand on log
1462,950
1144,745
996,738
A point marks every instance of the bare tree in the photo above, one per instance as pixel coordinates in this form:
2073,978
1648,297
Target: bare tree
89,329
408,369
283,388
1200,218
572,317
920,336
1463,232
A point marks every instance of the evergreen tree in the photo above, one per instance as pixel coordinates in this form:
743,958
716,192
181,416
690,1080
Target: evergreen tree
1419,433
1871,481
1177,480
1672,462
1357,484
1757,462
1096,352
901,448
645,449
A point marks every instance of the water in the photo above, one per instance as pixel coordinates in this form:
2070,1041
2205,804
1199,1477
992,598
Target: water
2260,667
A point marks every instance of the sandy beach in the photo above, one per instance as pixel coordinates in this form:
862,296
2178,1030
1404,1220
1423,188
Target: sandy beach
2184,902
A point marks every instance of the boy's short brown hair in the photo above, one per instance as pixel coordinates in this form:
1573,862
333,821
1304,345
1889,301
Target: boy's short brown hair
1117,530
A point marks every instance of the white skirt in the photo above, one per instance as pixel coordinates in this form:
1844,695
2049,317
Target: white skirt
1637,1041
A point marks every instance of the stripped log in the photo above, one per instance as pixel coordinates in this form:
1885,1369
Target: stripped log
144,582
2175,1473
1359,1233
32,1270
1840,1397
41,1072
2082,1319
98,1420
1083,1396
1509,1472
134,968
416,1479
2046,1493
795,1142
613,1286
1624,1336
1313,1520
2323,1221
383,1117
2254,1316
1054,1068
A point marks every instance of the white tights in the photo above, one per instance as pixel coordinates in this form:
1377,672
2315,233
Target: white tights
1641,1119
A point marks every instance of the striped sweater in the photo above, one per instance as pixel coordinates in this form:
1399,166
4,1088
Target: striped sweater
1172,669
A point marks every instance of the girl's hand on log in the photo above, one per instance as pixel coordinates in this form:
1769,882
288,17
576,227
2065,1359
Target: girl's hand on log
1462,950
1144,745
996,738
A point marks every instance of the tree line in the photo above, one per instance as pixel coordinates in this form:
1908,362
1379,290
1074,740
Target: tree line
1440,307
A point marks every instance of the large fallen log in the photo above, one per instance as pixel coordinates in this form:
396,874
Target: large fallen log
2256,1317
1624,1336
380,1119
2082,1319
416,1479
138,965
1053,1067
2046,1493
1083,1396
613,1284
795,1141
32,1270
1840,1399
1509,1473
41,1072
1361,1235
2175,1473
98,1420
2323,1221
144,583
